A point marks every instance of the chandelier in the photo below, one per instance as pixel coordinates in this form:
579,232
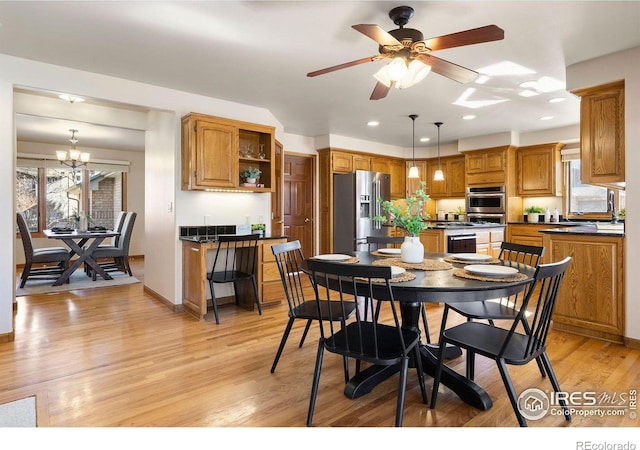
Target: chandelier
73,158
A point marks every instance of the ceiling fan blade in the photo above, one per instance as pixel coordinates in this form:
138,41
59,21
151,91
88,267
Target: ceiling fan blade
449,69
474,36
377,34
380,91
344,65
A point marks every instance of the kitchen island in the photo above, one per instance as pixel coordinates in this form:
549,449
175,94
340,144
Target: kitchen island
197,242
591,301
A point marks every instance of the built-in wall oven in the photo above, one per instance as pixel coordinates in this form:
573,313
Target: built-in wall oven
486,204
483,200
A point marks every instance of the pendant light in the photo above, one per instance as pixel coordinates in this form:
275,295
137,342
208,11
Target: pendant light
438,175
413,171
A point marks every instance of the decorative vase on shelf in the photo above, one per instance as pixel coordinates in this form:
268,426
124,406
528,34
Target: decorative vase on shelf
412,250
251,180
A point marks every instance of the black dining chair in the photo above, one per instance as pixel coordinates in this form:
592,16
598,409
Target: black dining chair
295,281
376,242
236,260
506,346
40,257
506,308
377,339
118,254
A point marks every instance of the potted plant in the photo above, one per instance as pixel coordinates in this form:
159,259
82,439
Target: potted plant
533,213
459,213
251,174
408,215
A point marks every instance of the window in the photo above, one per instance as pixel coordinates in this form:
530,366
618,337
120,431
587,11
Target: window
587,200
51,197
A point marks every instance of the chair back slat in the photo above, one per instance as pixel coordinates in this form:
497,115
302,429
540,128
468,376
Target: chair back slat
290,261
371,336
376,242
544,292
520,253
237,254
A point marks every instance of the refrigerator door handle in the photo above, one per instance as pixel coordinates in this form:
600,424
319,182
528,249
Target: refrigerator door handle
378,207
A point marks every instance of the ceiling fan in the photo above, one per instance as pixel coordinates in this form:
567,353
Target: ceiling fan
411,58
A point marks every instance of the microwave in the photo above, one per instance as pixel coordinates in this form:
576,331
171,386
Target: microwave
486,200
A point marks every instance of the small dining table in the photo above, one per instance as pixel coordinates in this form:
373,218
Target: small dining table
76,241
437,286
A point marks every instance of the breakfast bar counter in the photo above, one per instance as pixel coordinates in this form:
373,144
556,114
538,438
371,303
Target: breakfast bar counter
194,274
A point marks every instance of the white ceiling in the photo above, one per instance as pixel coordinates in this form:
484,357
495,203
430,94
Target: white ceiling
259,53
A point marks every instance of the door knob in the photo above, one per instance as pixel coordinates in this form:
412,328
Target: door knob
307,220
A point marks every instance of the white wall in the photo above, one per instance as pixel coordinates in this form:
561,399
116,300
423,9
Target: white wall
617,66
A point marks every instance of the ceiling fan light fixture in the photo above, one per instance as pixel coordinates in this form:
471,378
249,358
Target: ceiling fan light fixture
417,71
396,69
383,76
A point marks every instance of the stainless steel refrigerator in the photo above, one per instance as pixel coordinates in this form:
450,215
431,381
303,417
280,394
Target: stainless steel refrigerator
355,198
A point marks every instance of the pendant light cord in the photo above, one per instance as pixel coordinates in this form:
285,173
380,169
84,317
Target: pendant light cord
413,139
438,125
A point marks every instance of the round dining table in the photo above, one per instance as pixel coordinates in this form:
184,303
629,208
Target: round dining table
438,286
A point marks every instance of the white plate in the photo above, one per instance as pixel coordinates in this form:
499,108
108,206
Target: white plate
389,251
397,271
471,257
491,271
333,257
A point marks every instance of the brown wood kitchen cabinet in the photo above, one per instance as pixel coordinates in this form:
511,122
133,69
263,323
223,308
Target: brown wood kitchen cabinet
591,299
489,241
539,170
491,166
216,150
602,134
453,185
529,234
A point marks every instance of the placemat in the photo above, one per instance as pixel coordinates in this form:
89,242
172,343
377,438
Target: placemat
351,260
453,259
405,276
426,264
463,274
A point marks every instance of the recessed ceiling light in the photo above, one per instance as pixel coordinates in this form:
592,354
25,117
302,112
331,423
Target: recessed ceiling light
546,117
373,123
556,99
425,139
469,117
71,98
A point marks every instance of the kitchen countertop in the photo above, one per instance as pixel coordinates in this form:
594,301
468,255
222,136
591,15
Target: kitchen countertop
590,230
445,225
206,239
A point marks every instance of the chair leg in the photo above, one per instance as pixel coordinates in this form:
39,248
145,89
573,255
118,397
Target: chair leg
402,390
304,334
418,364
283,341
25,274
554,382
255,292
438,373
425,324
316,382
508,384
215,303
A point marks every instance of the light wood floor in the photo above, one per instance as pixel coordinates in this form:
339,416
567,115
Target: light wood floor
117,357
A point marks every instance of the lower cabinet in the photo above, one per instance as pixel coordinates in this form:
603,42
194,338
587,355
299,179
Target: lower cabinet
529,234
195,286
489,241
591,298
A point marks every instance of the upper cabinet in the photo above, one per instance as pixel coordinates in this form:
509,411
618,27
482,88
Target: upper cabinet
490,167
602,145
215,151
398,178
345,162
539,170
453,185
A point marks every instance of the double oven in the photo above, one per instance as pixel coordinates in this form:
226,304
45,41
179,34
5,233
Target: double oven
486,204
